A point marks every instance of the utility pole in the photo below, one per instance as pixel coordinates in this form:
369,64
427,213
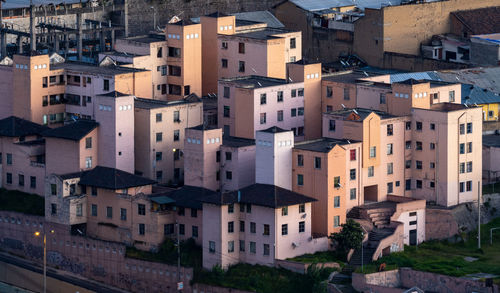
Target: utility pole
478,215
32,28
179,284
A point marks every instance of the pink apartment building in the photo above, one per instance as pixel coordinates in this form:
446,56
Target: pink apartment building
491,158
22,155
159,135
252,103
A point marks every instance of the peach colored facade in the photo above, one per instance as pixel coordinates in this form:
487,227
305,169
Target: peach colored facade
159,135
246,107
328,170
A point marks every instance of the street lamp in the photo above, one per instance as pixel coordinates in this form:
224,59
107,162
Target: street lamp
37,233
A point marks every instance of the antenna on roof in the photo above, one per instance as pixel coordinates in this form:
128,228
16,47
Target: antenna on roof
465,104
348,141
290,79
343,106
354,110
259,83
366,74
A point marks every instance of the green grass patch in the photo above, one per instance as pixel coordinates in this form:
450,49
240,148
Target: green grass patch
491,188
167,253
447,258
18,201
264,279
318,257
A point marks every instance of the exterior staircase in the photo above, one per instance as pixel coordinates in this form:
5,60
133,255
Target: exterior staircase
369,247
380,216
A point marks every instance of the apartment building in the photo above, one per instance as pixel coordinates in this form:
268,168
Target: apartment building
383,150
258,224
217,162
159,136
329,170
252,103
184,61
22,155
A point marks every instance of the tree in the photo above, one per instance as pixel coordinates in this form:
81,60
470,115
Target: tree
350,237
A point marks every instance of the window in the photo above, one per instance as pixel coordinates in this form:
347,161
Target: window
382,98
94,191
469,147
329,108
159,52
336,181
352,193
408,125
284,229
469,167
294,93
53,209
194,231
300,92
336,221
371,171
352,174
292,43
452,96
176,135
300,111
279,96
105,85
432,126
408,144
141,209
224,63
293,112
408,184
469,185
266,230
159,156
389,149
352,155
224,45
262,118
226,111
263,99
159,136
242,226
284,211
32,182
462,128
229,175
253,227
174,52
419,126
181,211
168,229
280,115
462,148
336,201
249,208
109,212
408,164
432,184
158,117
317,162
390,129
469,127
462,168
241,48
241,66
79,210
9,159
230,227
123,214
266,249
390,168
419,184
418,146
253,247
346,94
462,186
300,160
93,210
44,82
9,178
331,125
432,165
418,165
432,146
159,175
373,152
490,114
329,92
230,208
182,229
211,246
389,187
230,246
194,213
242,245
302,208
21,180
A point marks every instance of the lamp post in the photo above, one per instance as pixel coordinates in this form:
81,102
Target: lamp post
44,258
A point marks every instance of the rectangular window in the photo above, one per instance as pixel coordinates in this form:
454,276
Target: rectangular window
159,136
293,112
418,146
280,115
284,211
382,98
317,162
462,128
469,147
279,96
390,168
371,171
88,142
408,125
176,135
224,45
432,165
249,208
462,148
253,227
408,164
266,249
419,184
230,246
253,247
123,214
241,48
284,229
329,108
418,165
373,152
230,227
462,168
390,129
229,175
300,160
293,93
242,245
9,178
174,52
329,92
181,211
352,193
412,223
105,85
302,208
469,127
336,201
352,174
53,209
230,208
300,111
224,63
194,231
352,155
292,43
182,229
408,184
462,186
469,185
302,226
159,156
141,209
159,175
408,144
194,213
32,182
336,221
452,96
346,94
266,230
432,146
469,167
331,125
79,210
263,99
262,118
9,159
109,212
419,126
241,66
432,126
94,191
336,181
242,226
300,179
226,111
211,246
300,92
21,180
389,148
390,188
93,210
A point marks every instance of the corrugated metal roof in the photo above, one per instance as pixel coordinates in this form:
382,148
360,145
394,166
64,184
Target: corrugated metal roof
427,75
472,94
487,78
260,16
13,4
314,5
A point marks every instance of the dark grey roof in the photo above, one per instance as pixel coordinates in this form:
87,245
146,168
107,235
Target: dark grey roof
472,94
254,81
323,145
151,38
72,175
95,69
274,129
31,142
111,178
260,16
236,142
26,3
202,127
349,114
13,127
492,140
74,131
314,5
217,14
190,196
114,94
261,195
153,104
345,77
263,33
245,22
448,107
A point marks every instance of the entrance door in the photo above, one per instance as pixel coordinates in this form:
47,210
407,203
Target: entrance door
413,237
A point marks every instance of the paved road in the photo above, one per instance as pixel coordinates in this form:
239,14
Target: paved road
24,274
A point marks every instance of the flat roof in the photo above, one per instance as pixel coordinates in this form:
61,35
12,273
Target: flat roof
360,114
255,81
448,107
346,76
322,145
237,142
147,39
95,69
263,33
154,104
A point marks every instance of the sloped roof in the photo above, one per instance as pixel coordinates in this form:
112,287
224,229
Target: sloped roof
491,140
74,131
322,145
260,16
261,195
190,196
274,129
14,126
472,94
480,21
315,5
111,178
